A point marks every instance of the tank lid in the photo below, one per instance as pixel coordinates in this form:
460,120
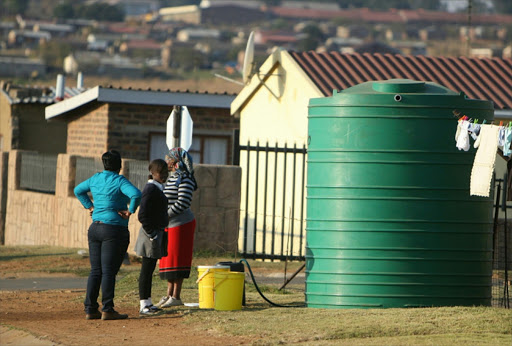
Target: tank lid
396,86
399,86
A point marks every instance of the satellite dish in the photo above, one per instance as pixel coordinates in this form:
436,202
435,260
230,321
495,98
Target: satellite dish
248,59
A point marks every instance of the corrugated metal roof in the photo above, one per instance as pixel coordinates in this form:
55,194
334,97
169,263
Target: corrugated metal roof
47,96
479,78
148,96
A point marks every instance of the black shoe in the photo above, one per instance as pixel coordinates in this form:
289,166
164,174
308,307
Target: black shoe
93,315
113,315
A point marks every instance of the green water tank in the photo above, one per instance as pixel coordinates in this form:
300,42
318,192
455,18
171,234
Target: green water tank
390,220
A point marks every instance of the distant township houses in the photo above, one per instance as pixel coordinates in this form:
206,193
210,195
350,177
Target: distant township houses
162,34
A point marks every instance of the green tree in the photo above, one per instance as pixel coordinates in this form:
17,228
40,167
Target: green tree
54,52
313,37
12,7
188,59
307,44
64,10
272,2
171,3
503,6
101,12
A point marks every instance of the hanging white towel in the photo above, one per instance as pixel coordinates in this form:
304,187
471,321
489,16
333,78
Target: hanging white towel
483,166
463,135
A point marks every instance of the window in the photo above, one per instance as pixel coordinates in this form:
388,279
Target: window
209,149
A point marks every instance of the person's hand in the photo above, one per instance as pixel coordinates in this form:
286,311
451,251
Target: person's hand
153,235
91,209
125,214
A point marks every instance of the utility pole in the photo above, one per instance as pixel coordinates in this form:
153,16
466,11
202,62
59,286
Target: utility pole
176,134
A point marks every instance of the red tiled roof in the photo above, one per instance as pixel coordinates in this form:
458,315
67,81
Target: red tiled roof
391,16
312,14
478,78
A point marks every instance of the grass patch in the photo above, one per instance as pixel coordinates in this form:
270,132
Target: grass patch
267,325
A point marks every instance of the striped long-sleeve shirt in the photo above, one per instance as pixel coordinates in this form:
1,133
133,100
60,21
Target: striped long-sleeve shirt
179,199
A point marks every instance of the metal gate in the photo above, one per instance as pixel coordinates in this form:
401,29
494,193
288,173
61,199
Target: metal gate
272,209
501,245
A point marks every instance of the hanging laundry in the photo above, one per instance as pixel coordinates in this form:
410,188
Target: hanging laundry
462,135
483,166
507,141
501,137
474,130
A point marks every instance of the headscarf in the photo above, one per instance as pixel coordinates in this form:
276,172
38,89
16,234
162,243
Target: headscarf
185,164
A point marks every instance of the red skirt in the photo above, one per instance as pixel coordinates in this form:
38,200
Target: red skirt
177,264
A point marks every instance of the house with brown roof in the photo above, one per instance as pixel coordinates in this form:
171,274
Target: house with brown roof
135,121
288,79
273,109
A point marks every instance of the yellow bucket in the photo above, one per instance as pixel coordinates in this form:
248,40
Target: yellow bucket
229,290
205,281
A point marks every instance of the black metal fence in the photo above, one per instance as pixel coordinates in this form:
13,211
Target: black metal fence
137,172
134,170
38,172
273,195
86,167
501,263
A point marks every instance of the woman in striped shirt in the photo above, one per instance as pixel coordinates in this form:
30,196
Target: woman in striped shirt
178,189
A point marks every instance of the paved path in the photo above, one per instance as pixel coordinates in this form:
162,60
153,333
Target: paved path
39,284
52,283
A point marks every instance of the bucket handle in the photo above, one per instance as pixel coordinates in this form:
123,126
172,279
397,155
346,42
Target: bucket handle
219,283
202,276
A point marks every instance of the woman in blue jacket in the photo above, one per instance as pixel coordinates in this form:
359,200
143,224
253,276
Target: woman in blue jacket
108,234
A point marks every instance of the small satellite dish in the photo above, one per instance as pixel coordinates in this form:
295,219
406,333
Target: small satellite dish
248,59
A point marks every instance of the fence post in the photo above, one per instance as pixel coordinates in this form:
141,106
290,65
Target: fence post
65,177
236,147
4,162
14,170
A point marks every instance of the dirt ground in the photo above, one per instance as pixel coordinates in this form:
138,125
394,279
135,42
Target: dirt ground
56,317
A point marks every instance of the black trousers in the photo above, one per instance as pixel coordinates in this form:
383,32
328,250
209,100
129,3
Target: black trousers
107,246
146,277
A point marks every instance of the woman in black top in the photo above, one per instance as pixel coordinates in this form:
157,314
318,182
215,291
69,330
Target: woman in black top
152,241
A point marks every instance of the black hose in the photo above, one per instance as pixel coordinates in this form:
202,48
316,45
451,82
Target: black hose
261,294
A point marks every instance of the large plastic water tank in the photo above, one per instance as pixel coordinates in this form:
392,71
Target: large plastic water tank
390,219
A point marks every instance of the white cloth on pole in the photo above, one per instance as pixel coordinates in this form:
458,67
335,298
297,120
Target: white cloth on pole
483,166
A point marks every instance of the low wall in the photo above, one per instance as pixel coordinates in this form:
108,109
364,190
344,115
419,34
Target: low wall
34,218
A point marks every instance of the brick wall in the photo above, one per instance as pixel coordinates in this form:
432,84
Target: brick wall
88,132
130,126
34,218
126,127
